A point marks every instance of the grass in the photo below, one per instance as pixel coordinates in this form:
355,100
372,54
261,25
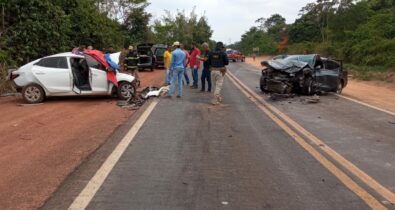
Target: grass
369,73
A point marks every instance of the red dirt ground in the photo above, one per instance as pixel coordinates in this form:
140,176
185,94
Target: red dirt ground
41,145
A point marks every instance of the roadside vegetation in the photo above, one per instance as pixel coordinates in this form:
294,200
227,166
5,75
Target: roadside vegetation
30,29
362,33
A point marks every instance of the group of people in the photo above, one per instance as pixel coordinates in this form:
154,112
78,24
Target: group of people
214,68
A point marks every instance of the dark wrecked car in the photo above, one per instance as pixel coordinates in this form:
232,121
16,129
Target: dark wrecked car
146,57
159,51
305,74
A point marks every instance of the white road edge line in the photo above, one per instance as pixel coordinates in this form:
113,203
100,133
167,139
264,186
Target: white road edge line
86,195
366,104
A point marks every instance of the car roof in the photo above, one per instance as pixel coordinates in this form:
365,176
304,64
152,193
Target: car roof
65,54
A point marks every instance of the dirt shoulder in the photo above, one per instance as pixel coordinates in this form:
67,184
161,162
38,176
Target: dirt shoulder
41,145
376,93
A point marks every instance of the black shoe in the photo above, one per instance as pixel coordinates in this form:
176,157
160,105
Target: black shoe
178,96
201,90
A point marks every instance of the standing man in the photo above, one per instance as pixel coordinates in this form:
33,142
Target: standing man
206,74
195,64
167,58
131,61
186,64
218,60
177,66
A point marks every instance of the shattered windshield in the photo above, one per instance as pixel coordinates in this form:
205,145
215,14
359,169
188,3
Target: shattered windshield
304,58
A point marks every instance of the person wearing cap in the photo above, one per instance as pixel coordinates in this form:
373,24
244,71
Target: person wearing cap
218,60
194,64
177,68
131,61
167,58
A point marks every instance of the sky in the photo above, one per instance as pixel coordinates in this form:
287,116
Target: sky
229,19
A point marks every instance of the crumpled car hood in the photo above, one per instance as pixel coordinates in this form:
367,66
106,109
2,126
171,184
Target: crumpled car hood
290,66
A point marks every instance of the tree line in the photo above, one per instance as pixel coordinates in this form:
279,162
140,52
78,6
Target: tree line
359,32
30,29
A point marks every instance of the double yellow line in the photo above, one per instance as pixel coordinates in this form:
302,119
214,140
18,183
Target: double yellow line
290,127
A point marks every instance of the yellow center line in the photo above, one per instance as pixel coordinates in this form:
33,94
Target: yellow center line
346,180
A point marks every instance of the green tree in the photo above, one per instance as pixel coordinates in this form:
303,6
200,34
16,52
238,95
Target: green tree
181,27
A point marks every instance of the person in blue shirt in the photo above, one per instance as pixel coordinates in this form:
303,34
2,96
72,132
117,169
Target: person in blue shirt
177,68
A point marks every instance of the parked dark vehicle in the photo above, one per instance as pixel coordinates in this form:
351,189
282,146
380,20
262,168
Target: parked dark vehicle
306,74
146,57
159,51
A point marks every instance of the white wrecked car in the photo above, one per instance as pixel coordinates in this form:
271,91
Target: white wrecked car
68,74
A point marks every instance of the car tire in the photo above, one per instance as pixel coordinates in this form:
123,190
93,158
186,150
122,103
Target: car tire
339,88
33,94
308,87
125,89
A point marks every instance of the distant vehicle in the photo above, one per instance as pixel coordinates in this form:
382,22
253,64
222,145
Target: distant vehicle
159,51
235,55
146,57
68,74
306,74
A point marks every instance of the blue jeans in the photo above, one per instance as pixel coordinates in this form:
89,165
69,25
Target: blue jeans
206,75
195,77
177,75
168,76
186,76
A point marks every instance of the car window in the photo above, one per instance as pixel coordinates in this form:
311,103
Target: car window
160,52
53,62
92,63
331,65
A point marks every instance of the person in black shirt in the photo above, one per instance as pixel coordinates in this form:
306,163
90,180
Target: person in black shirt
206,74
217,61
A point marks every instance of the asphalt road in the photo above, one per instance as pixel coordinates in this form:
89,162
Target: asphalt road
191,155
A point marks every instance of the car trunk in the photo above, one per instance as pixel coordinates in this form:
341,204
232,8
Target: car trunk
144,59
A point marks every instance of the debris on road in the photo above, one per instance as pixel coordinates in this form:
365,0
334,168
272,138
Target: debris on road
154,92
391,122
311,100
136,101
277,96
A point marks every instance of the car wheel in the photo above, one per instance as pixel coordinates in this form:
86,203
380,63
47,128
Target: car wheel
339,88
308,87
33,94
125,90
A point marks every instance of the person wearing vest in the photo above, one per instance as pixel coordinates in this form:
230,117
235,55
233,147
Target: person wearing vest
218,60
131,61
